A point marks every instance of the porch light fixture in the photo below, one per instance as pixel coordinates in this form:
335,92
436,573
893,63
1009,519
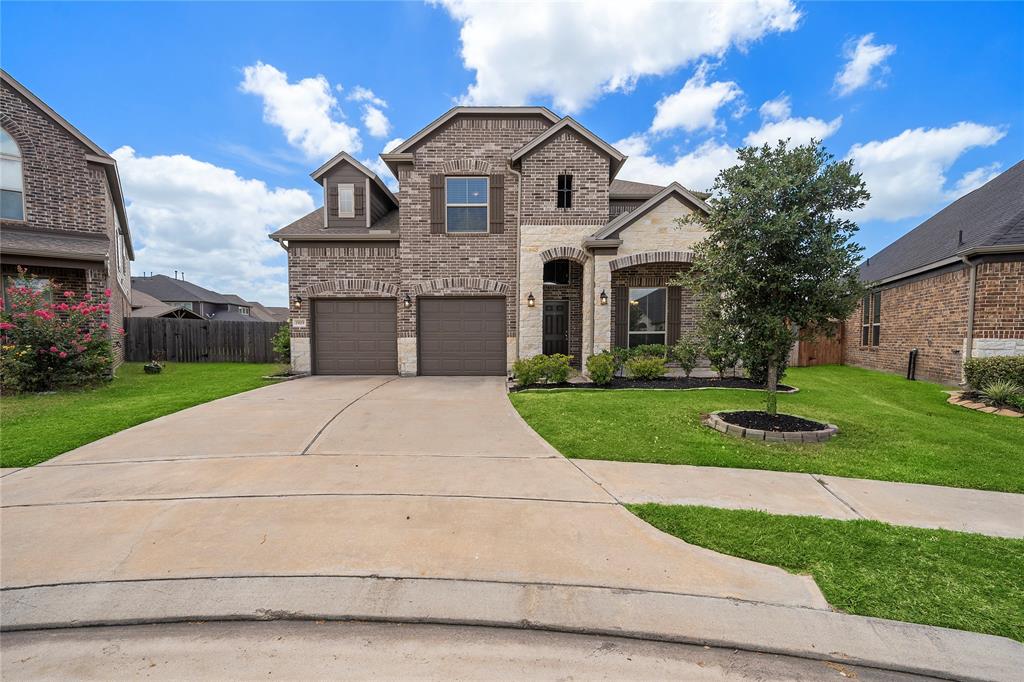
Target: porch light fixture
298,303
604,298
531,301
407,302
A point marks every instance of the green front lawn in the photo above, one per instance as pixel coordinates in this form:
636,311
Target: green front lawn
890,429
935,577
34,428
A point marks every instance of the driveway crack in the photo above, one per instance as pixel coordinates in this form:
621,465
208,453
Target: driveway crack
338,414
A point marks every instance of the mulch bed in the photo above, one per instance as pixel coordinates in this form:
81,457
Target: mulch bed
665,382
770,422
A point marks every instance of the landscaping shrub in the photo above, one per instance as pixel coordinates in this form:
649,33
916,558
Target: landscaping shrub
282,343
757,367
527,370
1001,392
552,369
980,372
649,350
646,368
686,352
50,341
601,368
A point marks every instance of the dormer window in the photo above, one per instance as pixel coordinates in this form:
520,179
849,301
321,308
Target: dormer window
564,191
346,201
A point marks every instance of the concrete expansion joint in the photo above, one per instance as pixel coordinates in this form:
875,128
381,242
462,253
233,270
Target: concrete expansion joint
824,484
339,412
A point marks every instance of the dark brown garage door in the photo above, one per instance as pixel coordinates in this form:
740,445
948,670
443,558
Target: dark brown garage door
462,336
355,336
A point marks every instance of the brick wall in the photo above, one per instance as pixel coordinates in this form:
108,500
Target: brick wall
999,300
565,153
654,275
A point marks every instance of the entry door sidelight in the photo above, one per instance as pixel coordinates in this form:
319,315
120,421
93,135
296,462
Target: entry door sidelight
556,327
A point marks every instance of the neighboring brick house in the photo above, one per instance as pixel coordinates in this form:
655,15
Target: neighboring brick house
510,236
63,216
952,288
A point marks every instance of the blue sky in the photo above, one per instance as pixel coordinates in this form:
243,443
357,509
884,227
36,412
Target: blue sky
219,111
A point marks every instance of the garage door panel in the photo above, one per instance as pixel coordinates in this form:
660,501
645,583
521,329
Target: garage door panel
462,336
355,336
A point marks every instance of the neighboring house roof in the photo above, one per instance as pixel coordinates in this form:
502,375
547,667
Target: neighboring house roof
267,313
144,305
341,157
617,157
97,156
991,219
280,313
53,244
626,219
311,226
166,288
627,189
412,141
232,316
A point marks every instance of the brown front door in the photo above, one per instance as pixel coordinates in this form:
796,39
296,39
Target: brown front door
556,327
462,336
355,336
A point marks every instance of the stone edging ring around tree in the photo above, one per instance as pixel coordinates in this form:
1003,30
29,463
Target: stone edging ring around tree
714,421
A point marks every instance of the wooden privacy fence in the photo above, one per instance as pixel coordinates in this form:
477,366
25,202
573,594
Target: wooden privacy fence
180,340
820,349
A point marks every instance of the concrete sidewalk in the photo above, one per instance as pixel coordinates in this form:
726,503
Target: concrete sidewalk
833,497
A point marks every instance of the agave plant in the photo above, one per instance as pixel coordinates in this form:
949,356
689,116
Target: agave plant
1002,392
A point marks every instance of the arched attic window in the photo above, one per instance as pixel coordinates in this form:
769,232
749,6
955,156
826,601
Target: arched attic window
12,201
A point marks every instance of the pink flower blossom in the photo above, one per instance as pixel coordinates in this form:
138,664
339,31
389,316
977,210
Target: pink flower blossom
6,325
69,294
53,349
63,354
88,297
123,332
106,292
104,325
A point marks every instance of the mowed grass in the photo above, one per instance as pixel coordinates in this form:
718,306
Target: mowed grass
34,428
935,577
890,429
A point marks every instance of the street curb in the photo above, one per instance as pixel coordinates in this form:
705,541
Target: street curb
727,623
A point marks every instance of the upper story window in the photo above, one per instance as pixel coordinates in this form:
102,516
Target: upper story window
12,201
466,204
564,191
243,311
346,200
187,305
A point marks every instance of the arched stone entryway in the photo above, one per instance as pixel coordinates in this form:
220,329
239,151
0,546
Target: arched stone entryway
562,309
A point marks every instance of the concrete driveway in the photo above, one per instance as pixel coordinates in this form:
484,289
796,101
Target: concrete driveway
377,498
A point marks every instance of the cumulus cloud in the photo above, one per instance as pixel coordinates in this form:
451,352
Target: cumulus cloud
906,174
695,170
306,111
361,94
865,64
695,106
374,119
209,222
776,109
574,52
973,179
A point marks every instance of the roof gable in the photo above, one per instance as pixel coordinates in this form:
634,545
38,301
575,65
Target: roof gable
411,142
345,157
617,158
626,219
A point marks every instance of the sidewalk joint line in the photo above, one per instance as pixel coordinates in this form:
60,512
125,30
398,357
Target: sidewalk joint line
338,413
836,496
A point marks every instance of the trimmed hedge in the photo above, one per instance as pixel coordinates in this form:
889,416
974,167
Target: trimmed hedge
601,368
646,368
980,372
552,369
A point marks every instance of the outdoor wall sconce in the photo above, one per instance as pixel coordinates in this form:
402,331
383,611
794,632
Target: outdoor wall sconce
530,300
407,302
298,303
604,298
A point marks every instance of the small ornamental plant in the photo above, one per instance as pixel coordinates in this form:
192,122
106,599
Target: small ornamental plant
51,338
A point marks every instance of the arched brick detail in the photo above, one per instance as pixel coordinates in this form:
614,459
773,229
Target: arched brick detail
463,283
20,136
467,165
341,286
572,253
651,257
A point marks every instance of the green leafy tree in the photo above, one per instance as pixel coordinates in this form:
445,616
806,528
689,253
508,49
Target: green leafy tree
779,255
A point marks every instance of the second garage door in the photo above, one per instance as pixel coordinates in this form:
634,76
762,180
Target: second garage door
462,336
355,336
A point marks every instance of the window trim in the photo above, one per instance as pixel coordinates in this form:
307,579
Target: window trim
486,204
563,193
876,317
20,160
351,188
630,332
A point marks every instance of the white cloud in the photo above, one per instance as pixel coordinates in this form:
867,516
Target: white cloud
695,106
973,179
574,52
208,222
906,174
776,109
361,94
376,122
305,111
864,64
798,130
695,170
392,144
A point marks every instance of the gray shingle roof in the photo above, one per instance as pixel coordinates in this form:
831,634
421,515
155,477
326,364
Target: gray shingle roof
627,189
166,288
26,242
312,224
990,216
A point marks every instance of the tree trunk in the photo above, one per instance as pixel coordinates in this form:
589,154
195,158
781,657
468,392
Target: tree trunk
771,397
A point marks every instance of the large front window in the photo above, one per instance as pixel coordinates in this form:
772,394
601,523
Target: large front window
466,204
12,198
647,313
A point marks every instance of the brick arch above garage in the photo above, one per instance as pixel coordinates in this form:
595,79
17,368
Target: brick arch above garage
462,284
346,287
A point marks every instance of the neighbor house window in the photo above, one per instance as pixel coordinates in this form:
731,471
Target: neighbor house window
556,272
564,191
12,197
466,204
187,305
31,283
647,313
346,201
876,317
865,320
244,311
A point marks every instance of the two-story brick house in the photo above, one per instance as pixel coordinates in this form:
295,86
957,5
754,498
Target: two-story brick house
509,236
63,216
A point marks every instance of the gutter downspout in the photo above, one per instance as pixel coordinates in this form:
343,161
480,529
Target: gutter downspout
972,288
519,251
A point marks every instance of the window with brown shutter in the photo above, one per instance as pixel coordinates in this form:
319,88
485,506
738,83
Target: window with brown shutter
437,204
497,208
620,301
675,304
